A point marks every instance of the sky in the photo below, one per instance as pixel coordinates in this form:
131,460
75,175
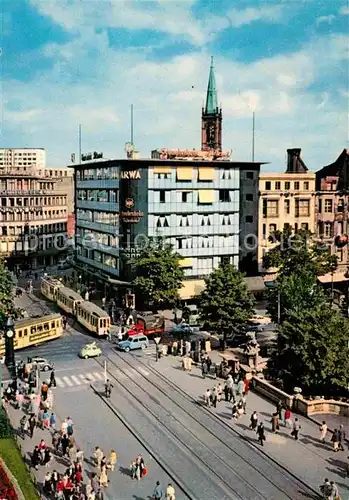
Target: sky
70,62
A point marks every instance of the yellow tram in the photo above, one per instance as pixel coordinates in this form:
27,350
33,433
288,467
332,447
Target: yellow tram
68,300
93,318
32,331
49,287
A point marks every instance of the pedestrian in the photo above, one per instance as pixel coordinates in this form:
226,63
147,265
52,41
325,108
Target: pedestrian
240,388
341,432
214,397
334,491
226,392
231,386
219,392
261,433
44,389
53,421
207,398
24,425
295,429
247,386
48,483
79,456
35,458
112,459
326,489
275,422
254,420
64,427
157,493
323,431
64,445
98,455
103,478
56,441
335,439
204,368
46,419
69,426
47,458
53,379
42,447
288,418
279,408
170,492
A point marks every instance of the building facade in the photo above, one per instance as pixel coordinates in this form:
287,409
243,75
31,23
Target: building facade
286,200
33,210
65,183
332,209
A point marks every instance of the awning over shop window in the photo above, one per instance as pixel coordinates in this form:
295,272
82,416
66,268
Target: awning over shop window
185,173
187,262
206,196
207,174
162,170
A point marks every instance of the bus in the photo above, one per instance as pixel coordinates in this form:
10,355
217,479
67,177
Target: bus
93,318
68,300
32,331
148,324
49,287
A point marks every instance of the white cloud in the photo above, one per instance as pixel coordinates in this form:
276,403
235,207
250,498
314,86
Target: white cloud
344,11
325,19
93,84
247,16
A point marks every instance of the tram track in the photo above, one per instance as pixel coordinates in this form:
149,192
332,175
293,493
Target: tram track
237,465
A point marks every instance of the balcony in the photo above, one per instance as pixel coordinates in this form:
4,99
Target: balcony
21,172
28,192
98,226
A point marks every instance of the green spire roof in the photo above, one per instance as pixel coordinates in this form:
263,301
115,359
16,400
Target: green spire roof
211,97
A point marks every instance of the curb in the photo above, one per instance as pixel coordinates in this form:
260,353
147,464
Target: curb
145,445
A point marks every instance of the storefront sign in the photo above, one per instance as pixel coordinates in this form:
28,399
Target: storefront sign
131,217
130,253
130,174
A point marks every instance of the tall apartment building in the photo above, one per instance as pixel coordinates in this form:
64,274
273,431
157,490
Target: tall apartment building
33,211
65,184
191,198
285,200
332,210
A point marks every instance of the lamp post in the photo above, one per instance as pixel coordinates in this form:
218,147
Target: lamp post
9,348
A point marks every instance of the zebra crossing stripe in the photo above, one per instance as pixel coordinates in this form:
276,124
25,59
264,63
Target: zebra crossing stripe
59,382
90,377
68,381
83,379
98,376
75,380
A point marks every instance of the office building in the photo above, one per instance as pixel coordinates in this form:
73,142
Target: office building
192,198
33,210
286,200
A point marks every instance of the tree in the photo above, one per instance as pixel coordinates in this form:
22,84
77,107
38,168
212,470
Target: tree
158,275
225,304
7,307
312,352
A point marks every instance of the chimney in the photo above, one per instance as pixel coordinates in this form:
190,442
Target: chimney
295,164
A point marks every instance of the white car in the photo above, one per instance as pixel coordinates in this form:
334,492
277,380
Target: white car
2,360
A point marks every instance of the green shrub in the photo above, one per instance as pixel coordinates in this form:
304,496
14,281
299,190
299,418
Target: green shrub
6,430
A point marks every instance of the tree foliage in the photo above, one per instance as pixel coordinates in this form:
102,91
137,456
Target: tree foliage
312,352
225,304
158,276
7,307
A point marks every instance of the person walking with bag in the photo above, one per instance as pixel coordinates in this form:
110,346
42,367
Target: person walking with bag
296,428
158,492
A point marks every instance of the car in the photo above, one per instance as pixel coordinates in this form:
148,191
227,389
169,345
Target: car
91,350
2,360
182,329
42,364
134,342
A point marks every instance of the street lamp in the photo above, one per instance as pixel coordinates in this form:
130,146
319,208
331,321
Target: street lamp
9,347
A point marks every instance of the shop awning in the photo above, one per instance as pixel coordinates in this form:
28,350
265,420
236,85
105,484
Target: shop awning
207,174
186,262
206,196
185,173
162,170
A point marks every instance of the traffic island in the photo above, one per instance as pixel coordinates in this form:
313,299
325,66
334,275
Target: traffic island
15,479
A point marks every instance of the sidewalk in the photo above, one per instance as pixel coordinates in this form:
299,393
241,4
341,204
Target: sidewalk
307,458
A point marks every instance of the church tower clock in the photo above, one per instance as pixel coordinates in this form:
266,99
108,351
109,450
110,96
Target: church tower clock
211,118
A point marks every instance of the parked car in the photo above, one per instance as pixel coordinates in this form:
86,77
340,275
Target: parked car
134,342
42,364
182,329
91,350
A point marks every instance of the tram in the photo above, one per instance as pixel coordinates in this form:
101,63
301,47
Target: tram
68,300
49,287
32,331
93,318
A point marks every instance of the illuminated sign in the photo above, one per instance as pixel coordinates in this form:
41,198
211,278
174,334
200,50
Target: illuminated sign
131,217
130,174
129,203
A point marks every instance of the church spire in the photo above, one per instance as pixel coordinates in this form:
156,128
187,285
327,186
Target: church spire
211,96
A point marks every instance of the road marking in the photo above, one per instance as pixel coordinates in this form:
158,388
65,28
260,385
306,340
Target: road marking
67,381
90,377
59,382
84,379
75,380
98,376
143,371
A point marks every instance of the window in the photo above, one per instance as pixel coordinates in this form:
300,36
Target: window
296,186
179,243
249,197
272,228
205,221
328,206
268,185
264,231
328,230
250,175
287,206
305,226
224,195
184,221
162,196
306,186
277,185
320,206
270,208
340,205
185,196
287,186
249,219
225,174
302,208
